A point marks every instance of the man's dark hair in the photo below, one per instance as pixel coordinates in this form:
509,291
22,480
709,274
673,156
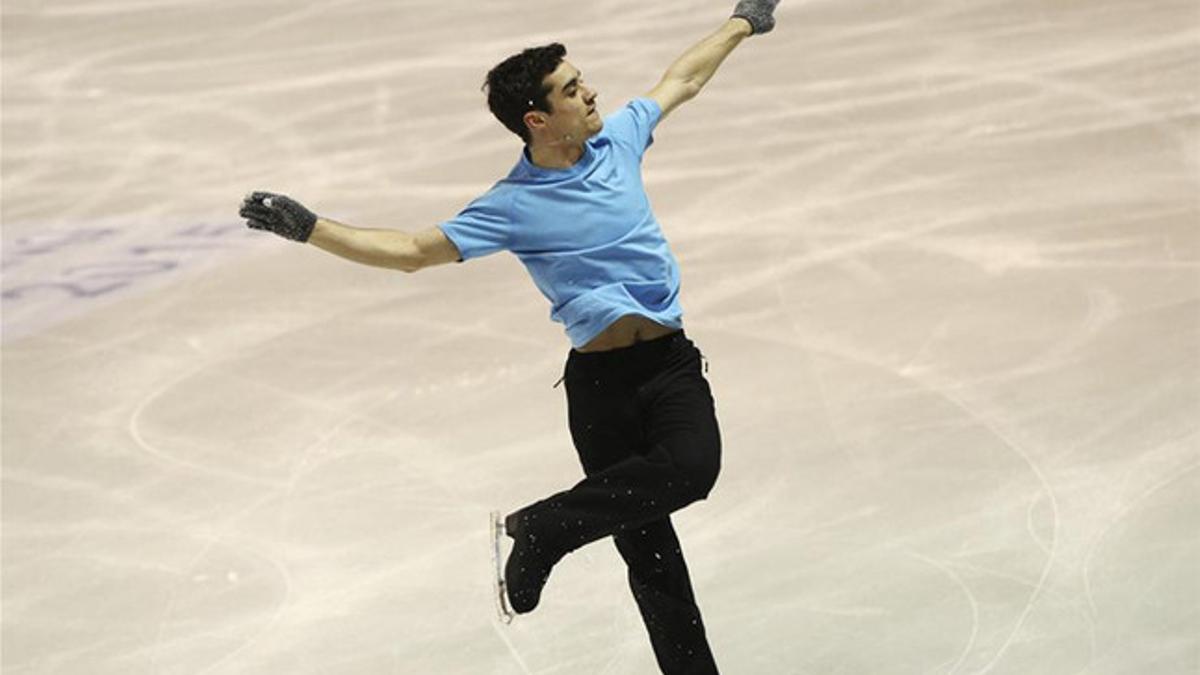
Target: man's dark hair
514,87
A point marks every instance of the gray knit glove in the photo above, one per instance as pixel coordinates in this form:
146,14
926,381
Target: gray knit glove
760,14
282,215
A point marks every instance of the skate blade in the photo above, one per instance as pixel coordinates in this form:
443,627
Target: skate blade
503,611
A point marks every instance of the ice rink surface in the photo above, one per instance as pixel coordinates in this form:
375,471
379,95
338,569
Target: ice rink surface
943,259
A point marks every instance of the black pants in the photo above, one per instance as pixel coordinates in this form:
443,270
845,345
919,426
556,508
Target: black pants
643,422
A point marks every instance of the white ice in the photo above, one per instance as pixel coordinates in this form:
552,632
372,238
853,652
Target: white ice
943,259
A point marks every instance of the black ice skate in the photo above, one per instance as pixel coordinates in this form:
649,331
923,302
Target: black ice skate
519,583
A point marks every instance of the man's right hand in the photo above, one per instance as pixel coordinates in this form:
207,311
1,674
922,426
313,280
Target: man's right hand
282,215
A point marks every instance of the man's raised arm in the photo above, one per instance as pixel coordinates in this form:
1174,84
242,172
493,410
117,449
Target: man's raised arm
392,249
693,69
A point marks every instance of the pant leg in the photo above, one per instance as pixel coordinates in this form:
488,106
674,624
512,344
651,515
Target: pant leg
658,577
678,414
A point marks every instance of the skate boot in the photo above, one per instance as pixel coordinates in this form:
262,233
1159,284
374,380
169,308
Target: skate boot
525,571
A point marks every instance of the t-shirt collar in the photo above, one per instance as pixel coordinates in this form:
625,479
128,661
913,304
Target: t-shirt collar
581,165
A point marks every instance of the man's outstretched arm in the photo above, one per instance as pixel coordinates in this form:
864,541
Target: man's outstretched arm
696,66
392,249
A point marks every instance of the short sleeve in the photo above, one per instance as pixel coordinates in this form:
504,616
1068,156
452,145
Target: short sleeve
482,228
633,125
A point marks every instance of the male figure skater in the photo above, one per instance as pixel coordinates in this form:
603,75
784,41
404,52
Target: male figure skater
640,410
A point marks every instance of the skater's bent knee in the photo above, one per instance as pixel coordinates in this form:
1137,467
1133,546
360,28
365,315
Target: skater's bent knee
700,477
695,462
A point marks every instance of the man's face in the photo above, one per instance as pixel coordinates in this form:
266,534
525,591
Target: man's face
575,117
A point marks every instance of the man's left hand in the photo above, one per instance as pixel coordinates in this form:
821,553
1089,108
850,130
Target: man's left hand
760,14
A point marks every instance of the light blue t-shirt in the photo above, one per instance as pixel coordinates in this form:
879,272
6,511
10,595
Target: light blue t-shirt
586,234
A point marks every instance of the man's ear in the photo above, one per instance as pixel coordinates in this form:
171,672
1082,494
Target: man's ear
534,120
